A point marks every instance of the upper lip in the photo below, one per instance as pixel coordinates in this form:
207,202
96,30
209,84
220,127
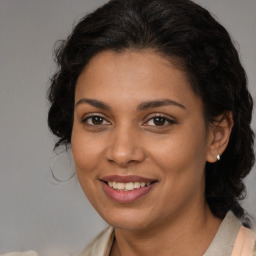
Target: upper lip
126,179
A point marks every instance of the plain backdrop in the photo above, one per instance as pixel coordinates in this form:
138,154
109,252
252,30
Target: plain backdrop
37,212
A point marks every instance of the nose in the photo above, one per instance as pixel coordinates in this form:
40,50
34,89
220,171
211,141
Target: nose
125,147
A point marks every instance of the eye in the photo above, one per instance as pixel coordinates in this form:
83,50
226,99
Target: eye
95,120
159,121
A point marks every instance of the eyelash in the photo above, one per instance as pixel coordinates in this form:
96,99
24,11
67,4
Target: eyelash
85,120
166,121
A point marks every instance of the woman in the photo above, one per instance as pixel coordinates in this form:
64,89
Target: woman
153,99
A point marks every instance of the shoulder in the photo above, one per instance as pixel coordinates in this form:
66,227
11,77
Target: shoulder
101,245
232,239
245,243
28,253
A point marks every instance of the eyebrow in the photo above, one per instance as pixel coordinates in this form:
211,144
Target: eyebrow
142,106
94,103
158,103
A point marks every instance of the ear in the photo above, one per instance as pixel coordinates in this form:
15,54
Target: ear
218,136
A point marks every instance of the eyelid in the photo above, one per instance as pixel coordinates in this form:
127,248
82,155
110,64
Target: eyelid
91,115
168,118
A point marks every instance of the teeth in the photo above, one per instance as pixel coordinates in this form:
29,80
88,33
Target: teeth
136,184
127,186
120,186
115,185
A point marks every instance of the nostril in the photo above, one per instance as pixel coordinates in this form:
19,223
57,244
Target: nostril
123,156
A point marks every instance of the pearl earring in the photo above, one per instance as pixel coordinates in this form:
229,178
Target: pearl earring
218,157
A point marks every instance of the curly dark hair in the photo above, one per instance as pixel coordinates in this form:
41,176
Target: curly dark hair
179,30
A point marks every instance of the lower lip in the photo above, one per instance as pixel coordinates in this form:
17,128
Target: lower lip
126,196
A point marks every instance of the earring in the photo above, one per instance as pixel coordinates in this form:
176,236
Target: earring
218,155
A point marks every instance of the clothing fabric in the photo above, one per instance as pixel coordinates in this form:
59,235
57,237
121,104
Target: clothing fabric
231,239
28,253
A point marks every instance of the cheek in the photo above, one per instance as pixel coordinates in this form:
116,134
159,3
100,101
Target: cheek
182,162
181,157
180,150
85,149
86,159
85,154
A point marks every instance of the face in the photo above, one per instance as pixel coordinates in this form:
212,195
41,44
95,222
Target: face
139,140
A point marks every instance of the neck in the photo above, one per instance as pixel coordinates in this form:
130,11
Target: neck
176,237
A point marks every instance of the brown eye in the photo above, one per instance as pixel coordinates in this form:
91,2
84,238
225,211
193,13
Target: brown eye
159,121
95,120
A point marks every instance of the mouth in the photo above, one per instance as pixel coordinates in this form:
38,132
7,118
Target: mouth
125,189
127,186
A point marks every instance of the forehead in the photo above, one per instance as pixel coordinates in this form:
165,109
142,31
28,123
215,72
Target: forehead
132,75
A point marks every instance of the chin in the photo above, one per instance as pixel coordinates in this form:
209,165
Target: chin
127,219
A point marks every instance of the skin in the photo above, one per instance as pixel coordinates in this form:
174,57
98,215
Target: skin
126,140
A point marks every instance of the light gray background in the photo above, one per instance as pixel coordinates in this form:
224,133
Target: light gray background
56,219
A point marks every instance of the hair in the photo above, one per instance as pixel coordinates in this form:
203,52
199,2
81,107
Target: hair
188,35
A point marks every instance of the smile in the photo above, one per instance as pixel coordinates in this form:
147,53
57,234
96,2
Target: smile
126,189
127,186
